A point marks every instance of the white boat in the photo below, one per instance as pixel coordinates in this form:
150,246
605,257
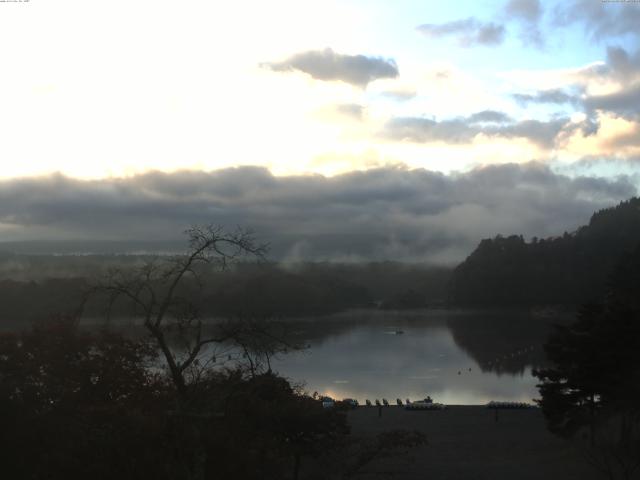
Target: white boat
509,405
425,405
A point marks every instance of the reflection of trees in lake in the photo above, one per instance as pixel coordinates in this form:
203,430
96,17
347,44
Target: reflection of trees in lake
318,330
502,341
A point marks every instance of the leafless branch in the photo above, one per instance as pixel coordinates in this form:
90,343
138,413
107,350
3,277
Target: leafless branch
152,291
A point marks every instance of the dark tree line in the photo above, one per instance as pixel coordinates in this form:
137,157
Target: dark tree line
570,269
266,289
592,388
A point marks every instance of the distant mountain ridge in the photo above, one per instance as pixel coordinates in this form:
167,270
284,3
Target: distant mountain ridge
569,269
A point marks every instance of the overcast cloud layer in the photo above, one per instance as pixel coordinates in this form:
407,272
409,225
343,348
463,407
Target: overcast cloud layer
387,213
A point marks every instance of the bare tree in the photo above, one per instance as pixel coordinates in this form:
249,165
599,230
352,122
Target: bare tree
155,293
165,295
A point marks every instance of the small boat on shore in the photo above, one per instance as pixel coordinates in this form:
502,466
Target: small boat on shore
426,404
509,405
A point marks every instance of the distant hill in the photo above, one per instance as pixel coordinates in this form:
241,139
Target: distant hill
35,287
569,269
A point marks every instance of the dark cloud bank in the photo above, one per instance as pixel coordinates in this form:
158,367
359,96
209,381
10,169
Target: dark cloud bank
386,213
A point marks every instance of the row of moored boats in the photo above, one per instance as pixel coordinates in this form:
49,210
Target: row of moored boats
425,404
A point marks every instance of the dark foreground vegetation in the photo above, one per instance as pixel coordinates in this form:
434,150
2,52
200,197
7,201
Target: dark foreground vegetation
78,404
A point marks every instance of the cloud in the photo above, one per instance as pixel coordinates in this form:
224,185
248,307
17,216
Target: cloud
624,66
603,135
556,96
621,67
400,95
528,13
465,129
622,70
490,116
471,31
625,103
384,213
613,165
468,31
542,133
618,79
629,139
327,65
611,88
424,130
351,110
600,19
528,10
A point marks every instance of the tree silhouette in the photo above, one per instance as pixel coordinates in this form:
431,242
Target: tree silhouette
156,294
569,269
594,381
75,404
165,294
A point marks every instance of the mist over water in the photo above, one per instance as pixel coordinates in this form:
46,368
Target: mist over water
456,357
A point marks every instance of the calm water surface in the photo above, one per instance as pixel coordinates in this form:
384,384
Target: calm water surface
456,357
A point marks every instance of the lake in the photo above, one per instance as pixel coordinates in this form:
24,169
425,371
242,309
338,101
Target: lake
455,356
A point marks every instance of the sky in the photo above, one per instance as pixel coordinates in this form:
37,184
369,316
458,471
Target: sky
345,129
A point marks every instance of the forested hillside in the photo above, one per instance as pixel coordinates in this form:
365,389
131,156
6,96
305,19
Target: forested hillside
569,269
36,287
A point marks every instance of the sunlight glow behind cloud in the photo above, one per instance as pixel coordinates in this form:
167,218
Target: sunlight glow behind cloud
115,89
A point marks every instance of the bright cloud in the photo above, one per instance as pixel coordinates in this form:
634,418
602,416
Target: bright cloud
117,89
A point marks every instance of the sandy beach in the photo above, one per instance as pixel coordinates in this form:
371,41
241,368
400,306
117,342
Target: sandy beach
466,442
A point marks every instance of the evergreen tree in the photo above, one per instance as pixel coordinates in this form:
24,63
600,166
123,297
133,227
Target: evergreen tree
595,372
569,269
